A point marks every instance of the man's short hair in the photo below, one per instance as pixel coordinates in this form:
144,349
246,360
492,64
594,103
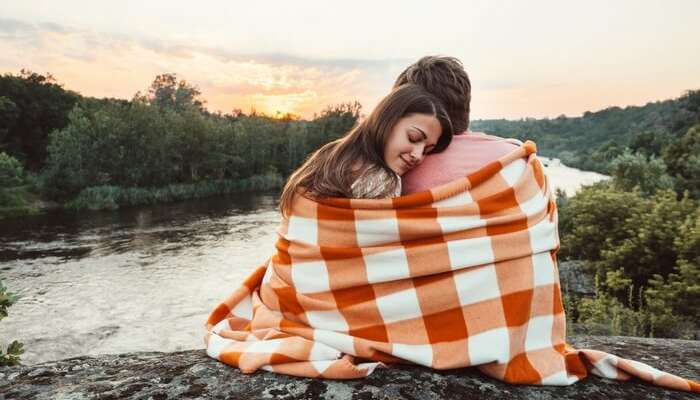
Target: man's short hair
445,78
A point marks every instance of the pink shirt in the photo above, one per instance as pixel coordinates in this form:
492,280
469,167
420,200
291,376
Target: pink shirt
465,154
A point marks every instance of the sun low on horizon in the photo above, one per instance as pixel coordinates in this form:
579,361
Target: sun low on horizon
540,59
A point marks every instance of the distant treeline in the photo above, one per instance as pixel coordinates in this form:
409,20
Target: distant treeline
592,141
160,138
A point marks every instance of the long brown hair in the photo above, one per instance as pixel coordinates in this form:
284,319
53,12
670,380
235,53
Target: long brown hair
331,170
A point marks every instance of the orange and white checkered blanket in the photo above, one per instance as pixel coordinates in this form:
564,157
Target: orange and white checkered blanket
461,275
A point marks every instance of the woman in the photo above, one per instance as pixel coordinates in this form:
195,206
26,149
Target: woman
368,161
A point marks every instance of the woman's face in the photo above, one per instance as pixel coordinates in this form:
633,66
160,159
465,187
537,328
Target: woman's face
414,136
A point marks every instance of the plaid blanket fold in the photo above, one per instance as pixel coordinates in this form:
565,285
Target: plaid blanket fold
462,275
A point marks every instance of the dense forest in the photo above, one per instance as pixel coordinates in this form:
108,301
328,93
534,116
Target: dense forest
162,145
591,141
638,233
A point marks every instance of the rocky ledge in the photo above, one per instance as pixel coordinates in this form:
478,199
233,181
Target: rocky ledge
191,374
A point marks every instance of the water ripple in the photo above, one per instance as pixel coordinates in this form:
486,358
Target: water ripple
133,280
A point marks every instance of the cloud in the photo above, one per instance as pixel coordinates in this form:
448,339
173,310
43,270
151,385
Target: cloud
21,30
13,26
117,65
514,74
53,27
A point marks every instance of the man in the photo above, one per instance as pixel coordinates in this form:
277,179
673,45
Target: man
446,78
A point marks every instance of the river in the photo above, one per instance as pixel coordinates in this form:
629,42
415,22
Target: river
144,278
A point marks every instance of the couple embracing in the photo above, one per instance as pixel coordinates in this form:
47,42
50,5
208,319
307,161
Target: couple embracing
427,110
412,240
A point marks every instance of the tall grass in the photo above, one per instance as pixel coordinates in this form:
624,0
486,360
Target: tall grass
17,201
107,197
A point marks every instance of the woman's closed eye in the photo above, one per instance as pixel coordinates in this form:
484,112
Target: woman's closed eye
416,138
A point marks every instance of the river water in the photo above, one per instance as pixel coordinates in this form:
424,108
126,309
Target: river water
140,279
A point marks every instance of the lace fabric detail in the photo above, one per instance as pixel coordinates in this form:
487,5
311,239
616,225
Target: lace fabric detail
375,184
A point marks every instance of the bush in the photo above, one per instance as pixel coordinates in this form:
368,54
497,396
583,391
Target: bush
645,251
679,293
12,355
17,201
96,198
112,197
604,314
11,171
648,247
12,197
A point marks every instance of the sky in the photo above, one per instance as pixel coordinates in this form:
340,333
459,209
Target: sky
525,58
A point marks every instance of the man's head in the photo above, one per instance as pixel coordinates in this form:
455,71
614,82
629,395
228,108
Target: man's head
445,78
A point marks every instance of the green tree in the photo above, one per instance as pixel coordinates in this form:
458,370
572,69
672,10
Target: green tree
683,160
167,92
333,122
111,142
604,154
648,143
648,245
679,293
594,220
32,106
11,171
649,174
8,118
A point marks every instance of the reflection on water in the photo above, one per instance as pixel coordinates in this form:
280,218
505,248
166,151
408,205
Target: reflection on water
131,280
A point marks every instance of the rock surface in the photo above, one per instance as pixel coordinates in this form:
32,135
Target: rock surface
574,279
191,374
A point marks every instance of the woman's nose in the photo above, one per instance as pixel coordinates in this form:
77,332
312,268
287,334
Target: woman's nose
417,154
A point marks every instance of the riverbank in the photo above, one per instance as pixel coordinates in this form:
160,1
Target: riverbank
24,200
191,374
